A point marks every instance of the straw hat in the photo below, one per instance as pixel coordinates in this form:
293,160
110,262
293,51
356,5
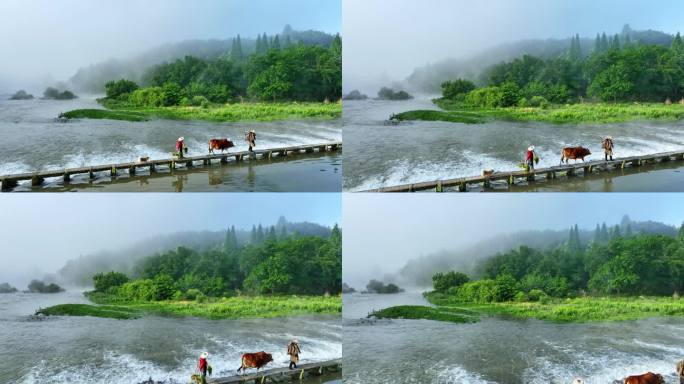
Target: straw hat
181,138
530,148
204,355
295,341
609,137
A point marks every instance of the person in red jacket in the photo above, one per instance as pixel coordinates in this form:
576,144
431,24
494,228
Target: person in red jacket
203,366
180,147
530,157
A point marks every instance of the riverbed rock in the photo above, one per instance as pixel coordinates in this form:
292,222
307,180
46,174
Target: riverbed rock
21,95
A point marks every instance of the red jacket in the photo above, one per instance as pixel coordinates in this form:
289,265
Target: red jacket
179,145
530,155
202,365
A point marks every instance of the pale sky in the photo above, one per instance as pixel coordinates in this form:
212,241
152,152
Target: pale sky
385,41
383,231
42,231
44,39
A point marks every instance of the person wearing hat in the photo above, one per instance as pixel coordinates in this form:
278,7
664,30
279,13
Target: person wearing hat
250,138
294,351
530,158
180,147
203,366
608,147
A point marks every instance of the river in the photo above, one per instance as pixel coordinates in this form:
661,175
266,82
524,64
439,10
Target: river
495,350
66,349
379,155
34,140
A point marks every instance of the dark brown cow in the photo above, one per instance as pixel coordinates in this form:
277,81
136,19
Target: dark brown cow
646,378
574,153
255,360
222,144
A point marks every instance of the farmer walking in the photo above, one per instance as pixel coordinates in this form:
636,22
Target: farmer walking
250,138
294,351
531,158
180,147
203,367
608,147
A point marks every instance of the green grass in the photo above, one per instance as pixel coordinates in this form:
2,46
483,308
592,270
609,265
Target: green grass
212,308
105,114
575,310
106,311
215,113
415,312
586,113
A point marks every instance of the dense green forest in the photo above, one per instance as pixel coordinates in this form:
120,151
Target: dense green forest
275,71
616,69
271,263
614,262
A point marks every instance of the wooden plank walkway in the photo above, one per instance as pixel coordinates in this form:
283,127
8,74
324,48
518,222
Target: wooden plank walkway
461,184
282,375
8,182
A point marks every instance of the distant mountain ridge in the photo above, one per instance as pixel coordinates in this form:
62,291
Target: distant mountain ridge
79,271
428,78
92,78
419,271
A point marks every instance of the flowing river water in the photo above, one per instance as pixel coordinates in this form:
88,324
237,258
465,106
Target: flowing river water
380,155
34,140
62,349
497,350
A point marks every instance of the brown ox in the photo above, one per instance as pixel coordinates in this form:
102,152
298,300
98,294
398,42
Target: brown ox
574,153
222,144
646,378
255,360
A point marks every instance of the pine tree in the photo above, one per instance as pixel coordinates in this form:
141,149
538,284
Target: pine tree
604,233
616,232
677,44
264,43
288,41
283,232
574,244
236,50
271,234
253,235
628,230
260,234
597,44
680,235
276,43
257,48
627,41
230,244
615,43
597,234
604,42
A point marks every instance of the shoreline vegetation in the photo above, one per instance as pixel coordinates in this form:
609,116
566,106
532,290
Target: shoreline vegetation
613,274
269,81
210,308
585,113
248,111
603,84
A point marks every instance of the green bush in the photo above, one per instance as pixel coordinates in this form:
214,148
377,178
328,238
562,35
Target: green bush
535,294
539,101
104,282
456,89
520,297
147,97
192,294
120,89
444,281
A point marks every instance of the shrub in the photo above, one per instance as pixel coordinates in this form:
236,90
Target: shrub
444,281
453,89
539,101
520,297
535,294
103,282
120,88
192,293
147,97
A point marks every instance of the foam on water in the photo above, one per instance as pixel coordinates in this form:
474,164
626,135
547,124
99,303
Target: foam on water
457,375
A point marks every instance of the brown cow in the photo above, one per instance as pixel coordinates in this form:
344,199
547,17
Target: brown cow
255,360
222,144
646,378
574,153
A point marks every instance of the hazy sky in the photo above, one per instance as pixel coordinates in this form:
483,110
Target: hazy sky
387,40
41,231
383,231
42,38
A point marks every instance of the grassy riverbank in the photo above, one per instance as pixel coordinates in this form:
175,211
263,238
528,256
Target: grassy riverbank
215,113
414,312
577,310
212,308
586,113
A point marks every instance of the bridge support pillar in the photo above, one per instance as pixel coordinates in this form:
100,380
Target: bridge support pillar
66,177
206,161
188,164
636,162
153,169
36,180
8,185
571,172
112,172
131,170
438,187
486,183
224,159
550,175
462,187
